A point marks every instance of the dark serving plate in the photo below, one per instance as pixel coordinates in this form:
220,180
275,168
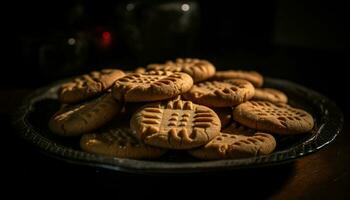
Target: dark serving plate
32,117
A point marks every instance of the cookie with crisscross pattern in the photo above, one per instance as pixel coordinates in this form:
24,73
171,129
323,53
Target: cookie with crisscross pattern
73,120
236,141
270,94
252,76
198,69
175,124
88,85
114,141
224,93
151,86
276,118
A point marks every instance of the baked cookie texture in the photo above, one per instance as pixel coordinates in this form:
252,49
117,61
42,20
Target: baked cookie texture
113,141
252,76
198,69
140,70
270,94
236,141
151,86
74,120
184,104
276,118
175,124
225,93
88,85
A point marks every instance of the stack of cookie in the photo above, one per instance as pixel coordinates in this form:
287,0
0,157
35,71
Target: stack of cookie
181,105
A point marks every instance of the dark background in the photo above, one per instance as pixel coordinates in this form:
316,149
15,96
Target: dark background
302,41
305,42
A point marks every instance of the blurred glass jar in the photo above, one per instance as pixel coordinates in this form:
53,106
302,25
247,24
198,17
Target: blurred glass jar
158,30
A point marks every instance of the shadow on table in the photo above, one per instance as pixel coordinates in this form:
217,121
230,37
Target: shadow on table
247,183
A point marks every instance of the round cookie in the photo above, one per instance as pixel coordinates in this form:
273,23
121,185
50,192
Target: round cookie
199,70
86,117
225,115
252,76
270,94
236,142
175,124
119,143
223,93
88,85
151,86
273,117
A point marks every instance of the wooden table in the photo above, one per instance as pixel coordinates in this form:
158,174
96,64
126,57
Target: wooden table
322,175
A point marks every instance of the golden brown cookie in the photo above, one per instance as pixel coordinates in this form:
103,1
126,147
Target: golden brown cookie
270,94
132,107
88,85
236,142
273,117
199,70
151,86
140,70
252,76
118,142
175,124
86,117
225,115
223,93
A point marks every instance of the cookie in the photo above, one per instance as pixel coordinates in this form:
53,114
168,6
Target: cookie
225,115
270,94
277,118
88,85
121,143
252,76
223,93
140,70
199,70
238,129
236,142
175,124
151,86
84,118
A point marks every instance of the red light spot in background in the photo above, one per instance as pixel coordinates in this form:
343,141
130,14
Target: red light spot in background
106,35
106,39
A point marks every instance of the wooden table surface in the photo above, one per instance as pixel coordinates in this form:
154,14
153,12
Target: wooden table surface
322,175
